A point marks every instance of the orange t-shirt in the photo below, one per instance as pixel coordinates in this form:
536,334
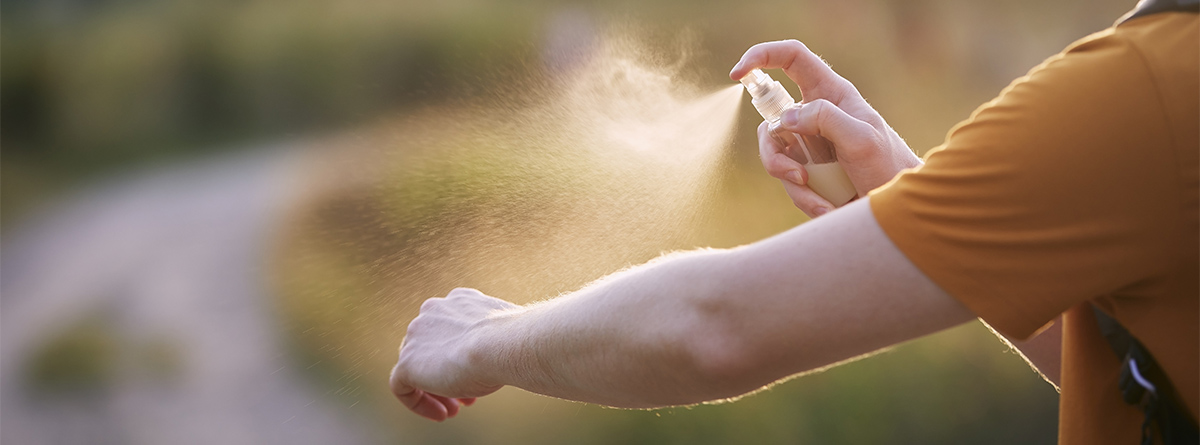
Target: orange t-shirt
1077,185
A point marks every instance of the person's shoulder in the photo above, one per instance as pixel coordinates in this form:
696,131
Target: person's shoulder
1167,34
1167,47
1165,41
1169,29
1156,56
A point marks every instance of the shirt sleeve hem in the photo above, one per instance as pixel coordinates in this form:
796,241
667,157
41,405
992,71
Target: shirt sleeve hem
995,308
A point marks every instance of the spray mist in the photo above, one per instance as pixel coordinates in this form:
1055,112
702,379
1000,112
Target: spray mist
825,175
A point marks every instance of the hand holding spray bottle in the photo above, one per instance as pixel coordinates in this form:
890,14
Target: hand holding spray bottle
825,175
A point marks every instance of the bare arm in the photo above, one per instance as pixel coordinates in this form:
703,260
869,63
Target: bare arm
689,328
1043,351
870,151
711,324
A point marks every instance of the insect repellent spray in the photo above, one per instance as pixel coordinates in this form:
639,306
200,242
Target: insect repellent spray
825,175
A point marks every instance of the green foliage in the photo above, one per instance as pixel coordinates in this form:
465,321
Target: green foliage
82,357
150,78
91,355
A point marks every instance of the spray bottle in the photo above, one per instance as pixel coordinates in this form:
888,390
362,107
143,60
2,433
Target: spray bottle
825,175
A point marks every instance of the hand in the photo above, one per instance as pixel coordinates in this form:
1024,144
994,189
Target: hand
437,371
867,148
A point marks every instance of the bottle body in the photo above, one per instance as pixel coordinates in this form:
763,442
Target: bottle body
825,175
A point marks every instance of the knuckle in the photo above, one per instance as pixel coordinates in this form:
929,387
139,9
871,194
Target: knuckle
845,86
822,108
396,381
430,304
461,292
878,141
867,142
765,150
416,323
400,370
795,45
776,164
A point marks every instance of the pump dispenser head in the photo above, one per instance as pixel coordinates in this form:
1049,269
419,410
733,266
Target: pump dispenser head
768,95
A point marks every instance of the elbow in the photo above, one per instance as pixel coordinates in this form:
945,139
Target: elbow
709,335
721,354
722,366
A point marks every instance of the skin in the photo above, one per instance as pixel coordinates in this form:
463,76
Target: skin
869,150
1043,352
710,324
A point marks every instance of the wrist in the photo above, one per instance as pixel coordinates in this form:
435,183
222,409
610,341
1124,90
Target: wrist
489,350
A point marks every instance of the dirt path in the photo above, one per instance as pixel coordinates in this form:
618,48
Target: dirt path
172,260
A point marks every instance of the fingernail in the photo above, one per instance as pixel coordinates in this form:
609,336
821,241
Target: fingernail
795,177
735,68
791,117
821,211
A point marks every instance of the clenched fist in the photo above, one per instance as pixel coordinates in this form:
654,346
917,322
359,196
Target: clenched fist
442,365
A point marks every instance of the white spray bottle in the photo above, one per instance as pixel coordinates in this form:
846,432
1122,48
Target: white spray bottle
825,175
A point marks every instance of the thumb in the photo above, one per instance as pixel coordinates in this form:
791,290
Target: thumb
822,118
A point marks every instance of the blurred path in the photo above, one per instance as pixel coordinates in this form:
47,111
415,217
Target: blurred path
175,257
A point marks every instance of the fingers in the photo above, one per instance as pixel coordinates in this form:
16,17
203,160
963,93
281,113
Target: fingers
791,173
432,406
451,405
429,407
815,78
420,402
778,164
414,399
400,389
424,404
807,200
433,350
823,118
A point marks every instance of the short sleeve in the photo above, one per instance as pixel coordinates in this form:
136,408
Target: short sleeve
1058,191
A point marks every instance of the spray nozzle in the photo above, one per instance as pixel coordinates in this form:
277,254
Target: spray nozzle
755,81
769,96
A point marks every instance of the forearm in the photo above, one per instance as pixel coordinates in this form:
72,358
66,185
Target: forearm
629,340
716,324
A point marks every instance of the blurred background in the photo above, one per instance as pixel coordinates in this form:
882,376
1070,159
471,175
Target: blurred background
217,217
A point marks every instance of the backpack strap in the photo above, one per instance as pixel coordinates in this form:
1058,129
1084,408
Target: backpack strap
1147,7
1143,383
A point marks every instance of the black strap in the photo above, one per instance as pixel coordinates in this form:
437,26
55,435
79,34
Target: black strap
1143,383
1147,7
